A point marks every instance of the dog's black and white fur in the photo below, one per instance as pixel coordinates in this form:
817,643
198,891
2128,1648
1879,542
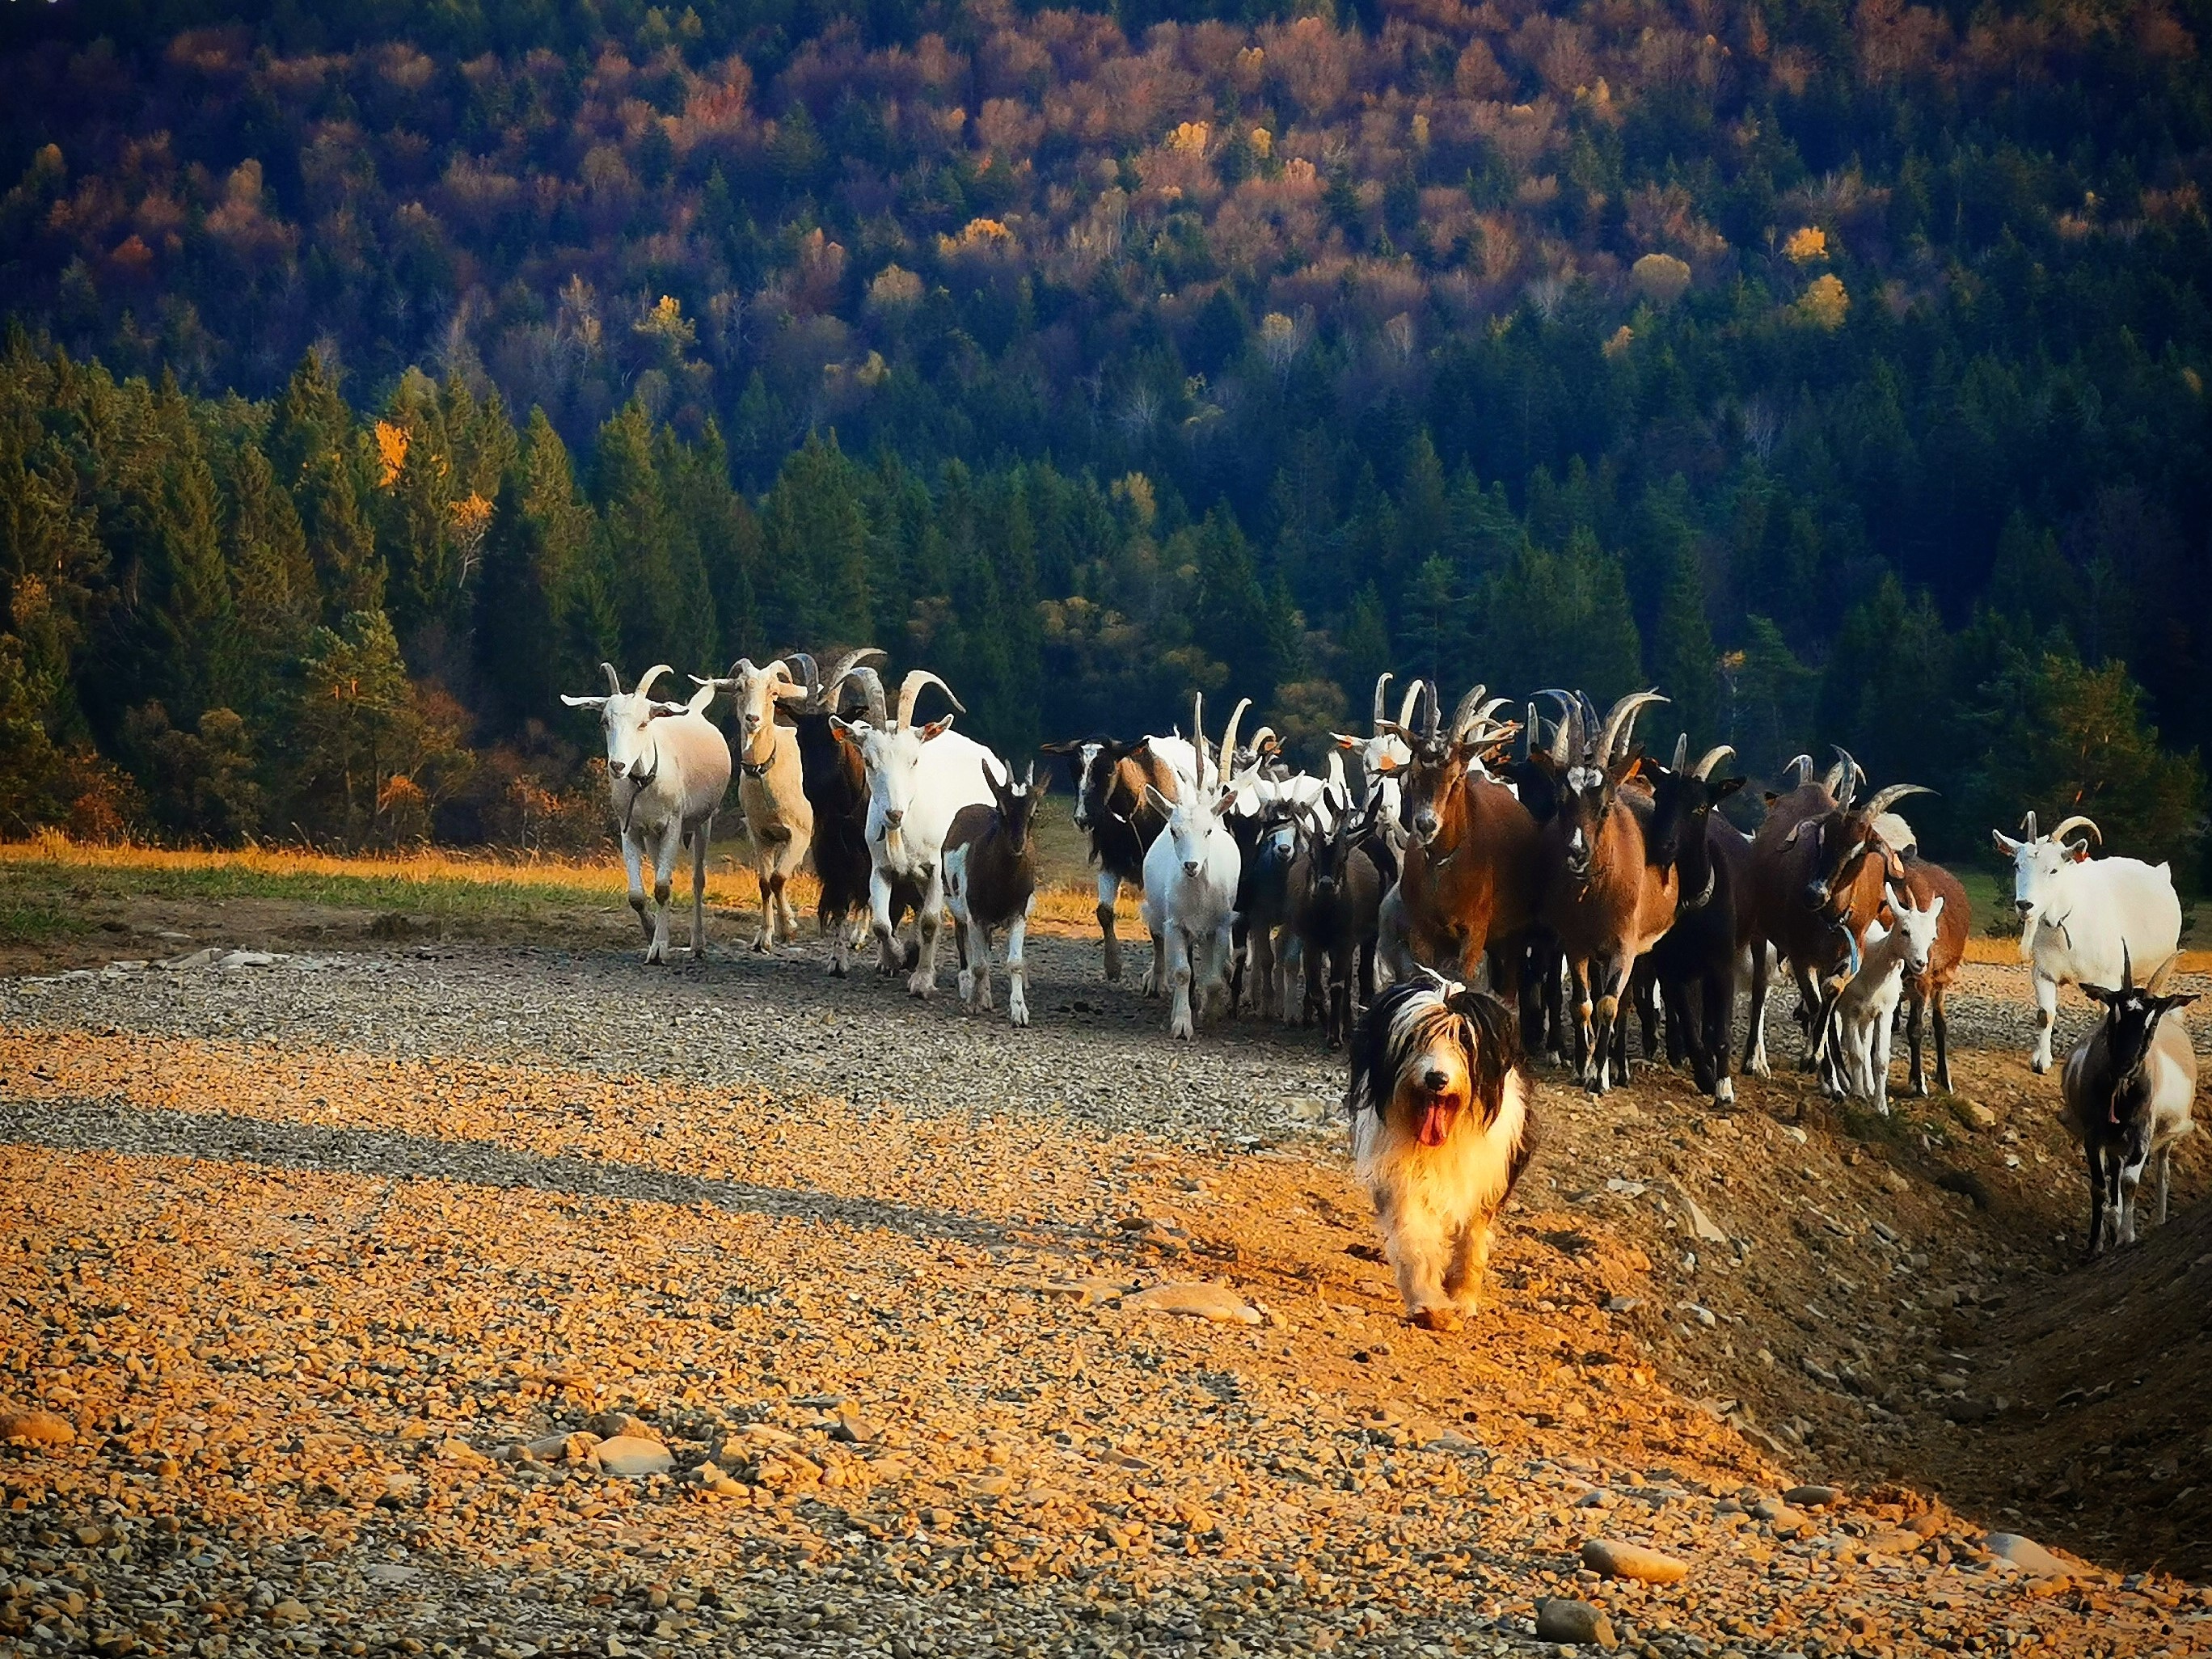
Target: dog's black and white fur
1442,1127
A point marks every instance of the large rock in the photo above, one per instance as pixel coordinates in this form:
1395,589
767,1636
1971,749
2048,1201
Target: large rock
1198,1301
1618,1560
2024,1554
1558,1620
36,1428
632,1456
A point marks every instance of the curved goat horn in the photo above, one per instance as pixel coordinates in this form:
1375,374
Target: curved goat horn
1889,795
1229,737
1465,711
810,673
2059,834
1410,702
1381,713
1802,766
2159,975
2027,826
1532,731
1621,724
871,682
1431,713
1713,757
1681,752
645,680
614,680
910,688
2127,964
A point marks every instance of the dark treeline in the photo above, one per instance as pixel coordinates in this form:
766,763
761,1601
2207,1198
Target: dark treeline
1841,371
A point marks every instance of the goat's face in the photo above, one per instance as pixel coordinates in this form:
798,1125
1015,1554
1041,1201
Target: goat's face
1018,804
1917,929
2038,866
2132,1014
1192,823
1434,772
756,692
1682,806
626,720
1091,771
890,758
1586,795
1840,844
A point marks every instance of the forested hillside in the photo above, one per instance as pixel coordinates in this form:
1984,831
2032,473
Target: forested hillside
377,370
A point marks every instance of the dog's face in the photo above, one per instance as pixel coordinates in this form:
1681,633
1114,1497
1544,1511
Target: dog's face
1434,1086
1432,1052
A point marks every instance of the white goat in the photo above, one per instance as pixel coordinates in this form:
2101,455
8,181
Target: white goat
2079,916
1191,872
918,778
1865,1009
771,789
668,768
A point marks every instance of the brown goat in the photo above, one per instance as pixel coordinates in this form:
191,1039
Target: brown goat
1604,899
1469,879
1817,866
1926,991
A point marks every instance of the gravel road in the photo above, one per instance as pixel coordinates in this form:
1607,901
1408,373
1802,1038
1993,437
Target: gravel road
350,1285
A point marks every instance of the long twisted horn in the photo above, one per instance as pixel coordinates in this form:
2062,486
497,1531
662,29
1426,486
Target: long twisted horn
645,680
2027,826
1412,701
1381,713
1621,724
872,684
1884,797
910,688
614,680
1433,714
1854,775
1532,731
1713,757
1681,753
1564,746
1802,766
2059,834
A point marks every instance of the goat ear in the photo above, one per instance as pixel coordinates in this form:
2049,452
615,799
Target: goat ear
2096,993
1343,742
842,728
1893,864
2006,844
1935,906
2182,1000
1159,802
2078,850
937,728
1799,829
1717,792
583,702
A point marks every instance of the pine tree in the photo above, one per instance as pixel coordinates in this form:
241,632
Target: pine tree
1682,663
817,582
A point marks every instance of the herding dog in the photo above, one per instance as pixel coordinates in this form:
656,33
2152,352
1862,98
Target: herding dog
1442,1127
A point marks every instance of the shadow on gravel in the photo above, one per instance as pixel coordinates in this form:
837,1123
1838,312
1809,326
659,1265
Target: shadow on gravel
112,1125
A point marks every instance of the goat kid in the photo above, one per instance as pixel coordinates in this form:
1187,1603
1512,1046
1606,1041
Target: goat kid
990,882
668,768
771,788
1862,1016
2128,1088
1442,1126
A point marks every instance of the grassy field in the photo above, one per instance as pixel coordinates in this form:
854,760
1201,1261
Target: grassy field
45,883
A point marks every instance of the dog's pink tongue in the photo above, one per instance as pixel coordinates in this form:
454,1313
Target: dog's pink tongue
1436,1119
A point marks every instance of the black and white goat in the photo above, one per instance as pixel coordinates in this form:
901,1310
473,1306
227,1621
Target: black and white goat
2128,1089
1443,1125
990,882
1335,886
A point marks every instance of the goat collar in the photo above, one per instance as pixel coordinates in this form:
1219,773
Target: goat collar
1705,895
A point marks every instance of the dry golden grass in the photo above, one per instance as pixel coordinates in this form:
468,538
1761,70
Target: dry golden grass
441,878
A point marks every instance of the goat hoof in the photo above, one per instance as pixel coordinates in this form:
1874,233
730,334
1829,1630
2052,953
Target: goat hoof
2038,1065
1436,1319
1724,1092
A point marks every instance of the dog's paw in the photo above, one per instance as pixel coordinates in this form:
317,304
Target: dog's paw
1436,1319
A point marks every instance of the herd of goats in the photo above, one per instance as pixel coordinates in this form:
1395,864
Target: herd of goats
1551,860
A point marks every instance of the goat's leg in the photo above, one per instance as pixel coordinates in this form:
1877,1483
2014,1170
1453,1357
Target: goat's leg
1239,940
702,838
1939,1017
1877,1042
1586,1037
2096,1192
634,866
2164,1176
786,870
1685,1040
1916,1012
1718,991
929,923
1180,1025
1808,1009
1316,964
1155,976
2046,1018
977,942
1109,891
887,958
664,882
1754,1037
1340,996
1017,973
2130,1178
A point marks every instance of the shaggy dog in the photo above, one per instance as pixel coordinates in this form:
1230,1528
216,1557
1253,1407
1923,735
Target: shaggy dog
1442,1127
